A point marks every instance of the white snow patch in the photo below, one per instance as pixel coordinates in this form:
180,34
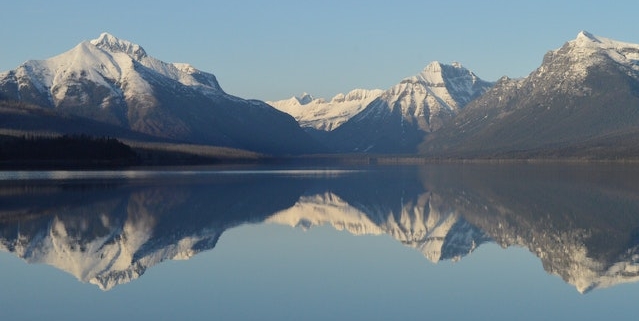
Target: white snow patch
319,114
109,62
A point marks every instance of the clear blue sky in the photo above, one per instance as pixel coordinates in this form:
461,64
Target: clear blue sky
276,49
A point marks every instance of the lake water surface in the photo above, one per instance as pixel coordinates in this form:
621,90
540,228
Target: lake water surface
448,242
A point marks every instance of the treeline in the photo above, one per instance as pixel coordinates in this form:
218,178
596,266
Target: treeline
71,148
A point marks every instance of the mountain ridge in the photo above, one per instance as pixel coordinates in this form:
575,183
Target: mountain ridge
323,115
582,101
400,118
116,82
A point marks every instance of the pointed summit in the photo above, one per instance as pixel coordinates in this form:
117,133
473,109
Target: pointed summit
304,99
114,82
400,118
108,42
431,75
437,74
581,96
587,36
614,48
434,66
588,50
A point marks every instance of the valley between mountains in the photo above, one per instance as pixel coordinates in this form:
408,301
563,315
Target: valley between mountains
582,102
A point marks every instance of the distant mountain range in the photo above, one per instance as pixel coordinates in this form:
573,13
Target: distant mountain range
317,113
583,101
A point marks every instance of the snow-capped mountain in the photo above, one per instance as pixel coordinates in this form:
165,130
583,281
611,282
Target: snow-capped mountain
399,119
116,82
112,64
580,102
325,115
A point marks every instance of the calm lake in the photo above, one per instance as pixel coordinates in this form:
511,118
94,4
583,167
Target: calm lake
447,242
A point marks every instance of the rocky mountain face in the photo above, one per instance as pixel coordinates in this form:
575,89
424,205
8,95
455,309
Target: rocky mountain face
116,83
319,114
582,101
402,116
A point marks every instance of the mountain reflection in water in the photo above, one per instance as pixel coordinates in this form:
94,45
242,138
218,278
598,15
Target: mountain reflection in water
581,221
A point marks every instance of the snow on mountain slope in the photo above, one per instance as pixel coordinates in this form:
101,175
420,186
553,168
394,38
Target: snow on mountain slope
435,94
565,69
400,118
581,101
587,50
114,81
109,62
326,115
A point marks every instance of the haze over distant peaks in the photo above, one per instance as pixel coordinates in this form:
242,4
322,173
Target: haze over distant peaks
304,98
317,113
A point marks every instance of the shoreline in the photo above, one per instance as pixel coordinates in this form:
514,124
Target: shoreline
306,160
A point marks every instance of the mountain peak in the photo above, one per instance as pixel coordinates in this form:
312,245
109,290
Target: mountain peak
108,42
434,71
590,49
434,66
587,40
304,99
432,74
585,36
